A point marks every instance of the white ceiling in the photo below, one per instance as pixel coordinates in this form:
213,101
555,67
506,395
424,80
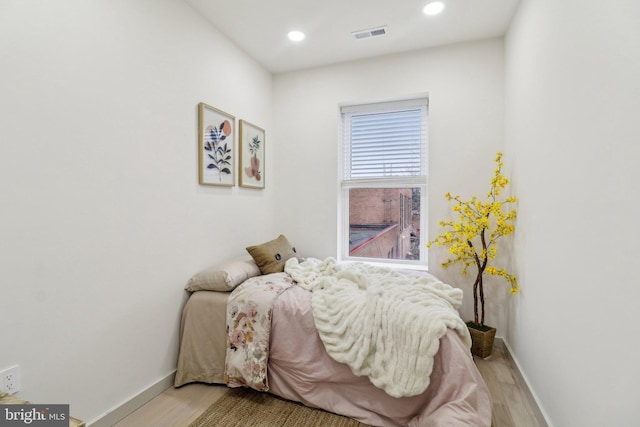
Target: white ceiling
260,27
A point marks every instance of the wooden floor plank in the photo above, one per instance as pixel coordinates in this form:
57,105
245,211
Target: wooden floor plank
501,416
175,406
510,405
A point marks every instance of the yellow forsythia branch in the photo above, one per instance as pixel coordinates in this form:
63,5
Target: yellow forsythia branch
471,238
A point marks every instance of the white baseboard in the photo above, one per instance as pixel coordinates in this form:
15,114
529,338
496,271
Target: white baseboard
538,412
114,415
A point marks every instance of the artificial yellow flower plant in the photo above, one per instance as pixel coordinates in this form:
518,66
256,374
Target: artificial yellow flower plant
471,238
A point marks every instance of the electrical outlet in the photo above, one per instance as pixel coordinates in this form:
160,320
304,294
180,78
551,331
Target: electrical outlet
10,380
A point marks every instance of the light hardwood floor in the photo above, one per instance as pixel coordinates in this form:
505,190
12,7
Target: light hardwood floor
179,407
175,407
511,407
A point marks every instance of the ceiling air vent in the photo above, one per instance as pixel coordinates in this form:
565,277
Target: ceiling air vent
372,32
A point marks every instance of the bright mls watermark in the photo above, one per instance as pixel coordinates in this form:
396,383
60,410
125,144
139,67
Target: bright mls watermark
34,415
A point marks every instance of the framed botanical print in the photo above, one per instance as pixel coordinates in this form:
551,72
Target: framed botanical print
252,161
216,153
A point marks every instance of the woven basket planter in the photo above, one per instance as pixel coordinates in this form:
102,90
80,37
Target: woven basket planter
481,339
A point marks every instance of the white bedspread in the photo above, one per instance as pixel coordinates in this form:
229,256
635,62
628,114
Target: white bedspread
381,323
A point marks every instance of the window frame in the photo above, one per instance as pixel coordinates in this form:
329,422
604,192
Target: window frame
421,181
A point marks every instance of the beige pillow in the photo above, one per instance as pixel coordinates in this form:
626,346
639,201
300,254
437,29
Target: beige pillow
224,276
272,255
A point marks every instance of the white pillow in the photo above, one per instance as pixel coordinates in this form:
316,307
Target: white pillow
225,276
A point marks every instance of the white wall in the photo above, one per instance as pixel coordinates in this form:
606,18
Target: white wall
573,102
465,83
103,220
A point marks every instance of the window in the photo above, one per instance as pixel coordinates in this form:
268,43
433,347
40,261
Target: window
383,180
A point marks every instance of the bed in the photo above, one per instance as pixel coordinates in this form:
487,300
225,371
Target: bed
299,367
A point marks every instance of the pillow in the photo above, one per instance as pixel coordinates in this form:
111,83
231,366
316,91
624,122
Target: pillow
224,276
272,255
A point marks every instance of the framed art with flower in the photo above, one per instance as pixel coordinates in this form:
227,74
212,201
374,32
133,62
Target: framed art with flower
252,161
216,152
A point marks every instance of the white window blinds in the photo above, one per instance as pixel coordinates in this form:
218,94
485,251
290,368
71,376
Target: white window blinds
385,144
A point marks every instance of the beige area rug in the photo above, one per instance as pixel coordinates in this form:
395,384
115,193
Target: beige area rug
243,407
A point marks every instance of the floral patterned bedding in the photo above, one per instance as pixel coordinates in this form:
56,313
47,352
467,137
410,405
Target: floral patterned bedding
249,312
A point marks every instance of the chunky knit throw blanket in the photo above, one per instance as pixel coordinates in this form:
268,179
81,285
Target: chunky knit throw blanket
381,323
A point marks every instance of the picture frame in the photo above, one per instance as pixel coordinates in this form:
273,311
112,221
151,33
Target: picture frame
216,146
252,155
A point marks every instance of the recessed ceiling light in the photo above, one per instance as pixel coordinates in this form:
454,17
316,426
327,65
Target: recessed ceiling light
296,36
433,8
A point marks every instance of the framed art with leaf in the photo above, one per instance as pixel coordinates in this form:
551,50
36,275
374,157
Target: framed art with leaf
252,161
216,152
